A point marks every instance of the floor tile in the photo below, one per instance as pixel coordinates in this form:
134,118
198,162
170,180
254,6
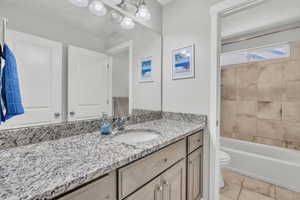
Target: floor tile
222,197
249,195
284,194
233,178
257,186
231,191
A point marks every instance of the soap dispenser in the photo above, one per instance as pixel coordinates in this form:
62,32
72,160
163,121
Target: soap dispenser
106,127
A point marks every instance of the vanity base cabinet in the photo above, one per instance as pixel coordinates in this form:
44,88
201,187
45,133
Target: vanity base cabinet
102,189
194,175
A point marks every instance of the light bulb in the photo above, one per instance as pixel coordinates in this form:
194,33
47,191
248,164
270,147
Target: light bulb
80,3
98,8
127,23
143,13
116,17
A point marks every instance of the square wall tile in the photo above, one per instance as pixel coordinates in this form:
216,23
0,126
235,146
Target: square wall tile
247,76
293,145
270,82
292,71
228,117
246,126
269,110
239,136
292,90
291,131
228,84
291,111
247,108
273,129
269,141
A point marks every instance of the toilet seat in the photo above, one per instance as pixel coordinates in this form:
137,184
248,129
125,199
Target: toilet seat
224,158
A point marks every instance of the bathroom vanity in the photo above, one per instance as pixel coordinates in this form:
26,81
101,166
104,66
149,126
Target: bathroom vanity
91,166
173,172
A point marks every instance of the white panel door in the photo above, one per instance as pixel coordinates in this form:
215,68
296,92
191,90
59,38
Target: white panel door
88,84
40,72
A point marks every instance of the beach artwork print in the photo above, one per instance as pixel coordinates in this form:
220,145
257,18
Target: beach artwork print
183,63
146,70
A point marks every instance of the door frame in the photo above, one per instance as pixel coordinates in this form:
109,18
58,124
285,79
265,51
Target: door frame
115,50
217,11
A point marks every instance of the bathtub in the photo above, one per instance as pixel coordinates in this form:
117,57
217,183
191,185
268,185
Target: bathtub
275,165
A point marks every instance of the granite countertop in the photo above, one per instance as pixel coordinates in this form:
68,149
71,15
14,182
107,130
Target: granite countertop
48,169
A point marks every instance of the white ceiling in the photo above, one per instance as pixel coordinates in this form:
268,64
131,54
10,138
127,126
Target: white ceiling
265,16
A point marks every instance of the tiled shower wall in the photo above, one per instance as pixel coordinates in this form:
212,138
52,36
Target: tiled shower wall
261,101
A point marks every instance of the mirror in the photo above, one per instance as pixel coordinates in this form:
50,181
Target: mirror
75,65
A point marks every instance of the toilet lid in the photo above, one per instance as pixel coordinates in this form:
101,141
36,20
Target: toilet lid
224,157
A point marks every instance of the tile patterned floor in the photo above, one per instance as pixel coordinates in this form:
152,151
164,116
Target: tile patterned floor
239,187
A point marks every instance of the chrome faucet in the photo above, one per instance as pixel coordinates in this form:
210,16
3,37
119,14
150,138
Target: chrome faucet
119,123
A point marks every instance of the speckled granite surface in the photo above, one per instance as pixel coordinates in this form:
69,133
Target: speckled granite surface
31,135
47,169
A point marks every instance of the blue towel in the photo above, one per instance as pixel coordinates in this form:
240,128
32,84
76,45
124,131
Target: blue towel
10,92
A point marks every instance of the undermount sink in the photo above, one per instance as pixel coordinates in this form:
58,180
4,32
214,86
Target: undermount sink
134,136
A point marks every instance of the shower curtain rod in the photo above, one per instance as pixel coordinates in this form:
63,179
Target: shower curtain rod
260,35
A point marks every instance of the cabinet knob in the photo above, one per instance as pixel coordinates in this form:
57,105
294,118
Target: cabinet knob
160,188
165,182
166,160
107,197
57,115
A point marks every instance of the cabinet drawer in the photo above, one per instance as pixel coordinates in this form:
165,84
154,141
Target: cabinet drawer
102,189
138,173
195,141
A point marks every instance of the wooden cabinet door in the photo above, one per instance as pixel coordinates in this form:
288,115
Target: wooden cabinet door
194,179
174,182
151,191
103,189
88,84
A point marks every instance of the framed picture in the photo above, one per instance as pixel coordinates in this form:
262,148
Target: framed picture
183,63
146,69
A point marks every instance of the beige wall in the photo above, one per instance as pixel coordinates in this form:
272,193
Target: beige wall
261,101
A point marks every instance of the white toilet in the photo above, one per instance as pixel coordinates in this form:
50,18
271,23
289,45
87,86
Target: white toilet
224,160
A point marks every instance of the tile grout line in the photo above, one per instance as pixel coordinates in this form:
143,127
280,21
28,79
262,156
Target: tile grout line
242,187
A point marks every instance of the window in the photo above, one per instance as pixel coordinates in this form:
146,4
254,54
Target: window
257,54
